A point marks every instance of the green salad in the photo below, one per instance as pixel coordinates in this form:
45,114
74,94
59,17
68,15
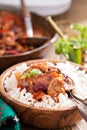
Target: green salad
72,47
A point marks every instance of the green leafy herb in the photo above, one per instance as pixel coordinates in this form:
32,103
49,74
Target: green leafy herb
82,29
72,47
31,73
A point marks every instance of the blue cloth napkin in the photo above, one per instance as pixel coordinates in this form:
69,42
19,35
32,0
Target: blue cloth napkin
8,117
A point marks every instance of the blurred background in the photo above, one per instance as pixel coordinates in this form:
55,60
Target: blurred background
67,18
62,22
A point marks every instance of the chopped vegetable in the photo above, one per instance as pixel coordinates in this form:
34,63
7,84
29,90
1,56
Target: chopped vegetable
38,95
18,75
31,73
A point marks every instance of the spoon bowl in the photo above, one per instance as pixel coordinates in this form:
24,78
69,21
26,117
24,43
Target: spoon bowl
34,41
81,104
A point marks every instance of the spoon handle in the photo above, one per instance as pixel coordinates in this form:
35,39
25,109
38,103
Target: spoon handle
25,9
27,19
55,26
82,107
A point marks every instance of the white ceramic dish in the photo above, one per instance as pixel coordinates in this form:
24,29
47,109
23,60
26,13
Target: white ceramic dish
43,7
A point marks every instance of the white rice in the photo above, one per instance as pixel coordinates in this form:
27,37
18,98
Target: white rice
80,88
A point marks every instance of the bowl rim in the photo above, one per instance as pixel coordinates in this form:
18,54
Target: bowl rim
11,99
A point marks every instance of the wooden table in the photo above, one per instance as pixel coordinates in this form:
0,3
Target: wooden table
77,13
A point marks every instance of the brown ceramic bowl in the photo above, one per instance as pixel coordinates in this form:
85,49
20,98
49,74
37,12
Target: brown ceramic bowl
39,52
39,117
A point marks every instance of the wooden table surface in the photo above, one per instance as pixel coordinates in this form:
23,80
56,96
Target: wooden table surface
77,13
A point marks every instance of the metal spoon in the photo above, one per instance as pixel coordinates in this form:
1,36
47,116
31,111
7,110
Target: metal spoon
81,105
30,39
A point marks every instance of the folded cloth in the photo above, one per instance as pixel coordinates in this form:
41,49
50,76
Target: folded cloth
8,117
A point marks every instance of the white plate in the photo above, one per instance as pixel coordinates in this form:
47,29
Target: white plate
43,7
